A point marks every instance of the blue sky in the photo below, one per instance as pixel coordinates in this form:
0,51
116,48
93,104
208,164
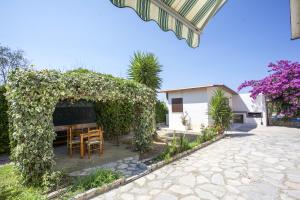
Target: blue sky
237,44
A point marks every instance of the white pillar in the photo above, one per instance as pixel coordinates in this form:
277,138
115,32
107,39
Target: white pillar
295,18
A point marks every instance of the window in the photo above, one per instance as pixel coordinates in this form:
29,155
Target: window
254,114
177,105
238,118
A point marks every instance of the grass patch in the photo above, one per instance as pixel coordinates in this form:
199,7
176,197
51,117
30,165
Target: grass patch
96,179
11,187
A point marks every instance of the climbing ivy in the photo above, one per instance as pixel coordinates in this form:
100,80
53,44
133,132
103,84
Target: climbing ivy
4,138
33,95
115,117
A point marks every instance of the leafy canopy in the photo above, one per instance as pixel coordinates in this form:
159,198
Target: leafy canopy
33,95
10,60
144,68
220,111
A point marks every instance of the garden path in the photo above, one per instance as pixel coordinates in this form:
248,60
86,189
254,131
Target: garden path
260,164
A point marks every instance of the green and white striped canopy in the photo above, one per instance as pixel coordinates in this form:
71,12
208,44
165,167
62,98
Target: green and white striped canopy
295,18
186,18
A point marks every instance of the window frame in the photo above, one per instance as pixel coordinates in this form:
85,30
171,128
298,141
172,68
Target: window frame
177,105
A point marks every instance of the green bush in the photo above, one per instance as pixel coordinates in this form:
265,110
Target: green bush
207,133
177,145
115,117
161,111
182,144
220,111
4,137
33,95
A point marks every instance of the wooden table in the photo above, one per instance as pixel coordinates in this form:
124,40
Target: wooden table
82,136
82,151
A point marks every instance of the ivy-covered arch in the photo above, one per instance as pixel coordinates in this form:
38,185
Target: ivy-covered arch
33,95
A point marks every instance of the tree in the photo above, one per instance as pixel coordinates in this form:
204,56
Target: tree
10,60
161,110
220,111
281,87
145,68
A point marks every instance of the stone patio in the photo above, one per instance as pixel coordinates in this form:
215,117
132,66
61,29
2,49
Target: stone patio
261,164
112,153
128,167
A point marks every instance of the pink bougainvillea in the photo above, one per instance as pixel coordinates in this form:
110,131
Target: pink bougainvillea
281,87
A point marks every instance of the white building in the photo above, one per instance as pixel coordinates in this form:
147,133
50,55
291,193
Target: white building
194,102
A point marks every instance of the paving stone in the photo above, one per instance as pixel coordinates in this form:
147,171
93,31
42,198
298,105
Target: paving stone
292,185
201,179
190,198
188,180
264,164
155,192
165,196
180,189
204,194
231,174
126,196
293,193
217,179
141,181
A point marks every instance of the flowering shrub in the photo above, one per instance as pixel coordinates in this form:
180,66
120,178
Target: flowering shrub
33,95
282,87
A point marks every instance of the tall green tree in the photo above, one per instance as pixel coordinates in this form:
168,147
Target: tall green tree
145,68
10,60
220,111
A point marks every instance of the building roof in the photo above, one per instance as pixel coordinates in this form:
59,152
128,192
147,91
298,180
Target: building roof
224,87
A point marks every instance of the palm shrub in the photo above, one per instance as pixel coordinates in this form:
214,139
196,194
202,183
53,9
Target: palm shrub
144,68
220,111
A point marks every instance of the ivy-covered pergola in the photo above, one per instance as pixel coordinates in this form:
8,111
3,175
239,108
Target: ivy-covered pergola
33,95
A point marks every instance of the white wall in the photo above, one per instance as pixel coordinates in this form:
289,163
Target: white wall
194,103
244,103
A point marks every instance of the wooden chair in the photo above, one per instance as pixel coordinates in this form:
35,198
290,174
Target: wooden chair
95,128
73,139
95,141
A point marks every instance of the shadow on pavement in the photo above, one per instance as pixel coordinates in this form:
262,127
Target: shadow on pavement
232,135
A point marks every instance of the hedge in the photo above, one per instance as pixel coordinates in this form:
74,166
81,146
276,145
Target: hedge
115,117
4,138
33,95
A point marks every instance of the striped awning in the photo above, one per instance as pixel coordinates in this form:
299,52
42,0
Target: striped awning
295,18
186,18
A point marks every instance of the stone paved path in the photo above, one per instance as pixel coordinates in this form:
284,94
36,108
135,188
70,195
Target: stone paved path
261,164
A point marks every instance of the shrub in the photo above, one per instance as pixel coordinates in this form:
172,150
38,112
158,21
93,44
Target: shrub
177,145
115,117
161,111
54,180
207,134
182,144
220,111
4,137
